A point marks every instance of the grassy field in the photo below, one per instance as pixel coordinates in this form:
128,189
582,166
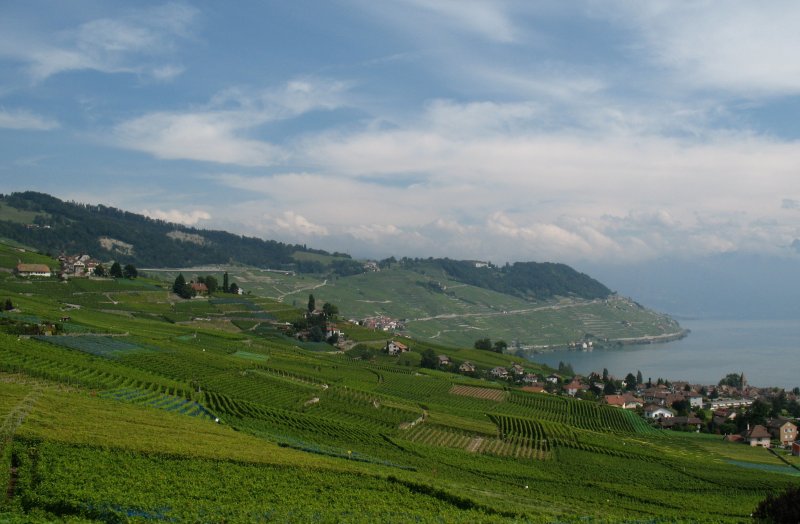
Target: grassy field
458,314
146,407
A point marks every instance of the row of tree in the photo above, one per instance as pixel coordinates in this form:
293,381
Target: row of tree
486,345
116,271
185,290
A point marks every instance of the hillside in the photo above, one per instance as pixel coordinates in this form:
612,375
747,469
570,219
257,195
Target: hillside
140,406
432,306
54,226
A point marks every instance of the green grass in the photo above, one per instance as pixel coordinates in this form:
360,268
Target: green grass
125,428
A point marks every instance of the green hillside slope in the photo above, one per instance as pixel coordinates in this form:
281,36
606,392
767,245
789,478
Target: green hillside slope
139,406
439,309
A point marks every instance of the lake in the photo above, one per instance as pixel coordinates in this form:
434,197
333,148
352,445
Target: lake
766,351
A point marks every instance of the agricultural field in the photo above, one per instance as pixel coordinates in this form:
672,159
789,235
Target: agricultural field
145,407
456,314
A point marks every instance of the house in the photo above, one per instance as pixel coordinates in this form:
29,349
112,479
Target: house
782,429
680,422
395,348
331,330
444,360
467,367
626,401
757,436
499,372
530,378
657,412
199,288
33,270
553,378
517,370
695,400
573,387
729,403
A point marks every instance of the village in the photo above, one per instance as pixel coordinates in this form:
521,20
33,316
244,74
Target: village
765,417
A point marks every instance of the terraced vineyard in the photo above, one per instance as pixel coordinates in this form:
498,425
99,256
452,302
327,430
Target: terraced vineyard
176,418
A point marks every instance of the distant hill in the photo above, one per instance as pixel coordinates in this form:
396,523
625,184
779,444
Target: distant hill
54,226
529,280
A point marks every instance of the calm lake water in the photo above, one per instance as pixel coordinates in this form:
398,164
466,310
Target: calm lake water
767,351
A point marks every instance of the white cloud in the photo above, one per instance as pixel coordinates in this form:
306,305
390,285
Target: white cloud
23,119
189,218
204,136
219,131
291,222
489,20
111,45
739,46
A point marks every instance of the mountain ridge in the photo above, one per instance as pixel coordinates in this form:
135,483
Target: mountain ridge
56,226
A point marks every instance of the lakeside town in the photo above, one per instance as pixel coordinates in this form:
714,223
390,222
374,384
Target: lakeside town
738,412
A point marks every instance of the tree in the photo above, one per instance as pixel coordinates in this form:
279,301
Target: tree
733,380
605,374
312,304
315,334
99,270
780,509
610,389
211,283
429,359
330,310
639,377
116,270
225,286
483,343
682,407
500,346
130,271
234,288
181,288
8,305
630,382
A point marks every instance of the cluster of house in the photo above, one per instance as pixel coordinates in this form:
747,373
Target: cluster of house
77,265
780,429
656,404
381,323
70,266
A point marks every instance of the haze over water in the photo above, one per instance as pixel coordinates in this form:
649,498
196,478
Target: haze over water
765,350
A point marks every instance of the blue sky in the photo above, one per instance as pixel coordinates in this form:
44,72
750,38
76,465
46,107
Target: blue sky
499,130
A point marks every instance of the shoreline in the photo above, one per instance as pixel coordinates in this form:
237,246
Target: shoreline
614,342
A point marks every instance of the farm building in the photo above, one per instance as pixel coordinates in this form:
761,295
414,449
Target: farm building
467,367
395,348
33,270
757,436
626,401
656,411
499,372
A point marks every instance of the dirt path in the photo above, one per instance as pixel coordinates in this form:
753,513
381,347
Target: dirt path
552,307
300,290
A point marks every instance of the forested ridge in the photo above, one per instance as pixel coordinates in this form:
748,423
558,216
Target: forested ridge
68,227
